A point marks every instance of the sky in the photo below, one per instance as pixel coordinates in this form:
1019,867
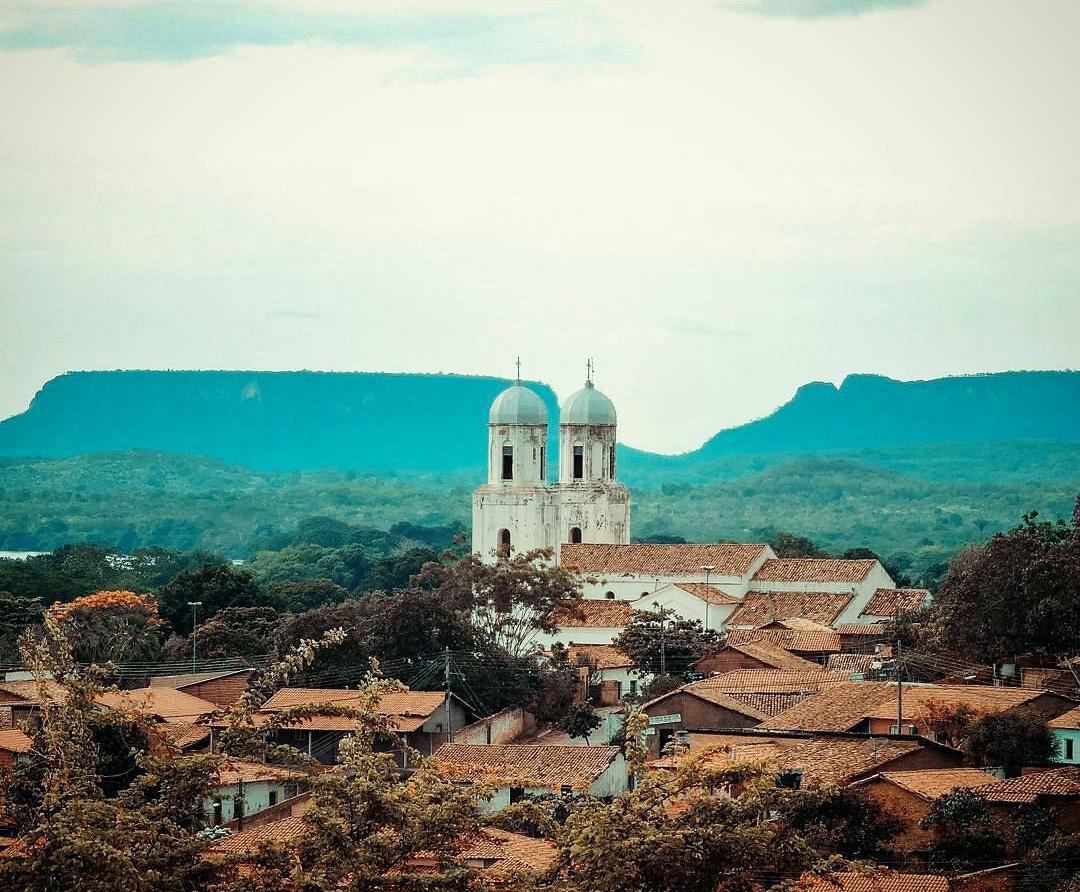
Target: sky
716,201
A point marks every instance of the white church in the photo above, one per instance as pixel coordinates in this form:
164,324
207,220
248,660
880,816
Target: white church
583,517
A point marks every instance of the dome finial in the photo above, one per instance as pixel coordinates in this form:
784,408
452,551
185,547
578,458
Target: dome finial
589,368
518,364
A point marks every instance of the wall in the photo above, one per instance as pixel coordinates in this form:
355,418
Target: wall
728,660
1062,735
223,691
503,727
256,799
906,806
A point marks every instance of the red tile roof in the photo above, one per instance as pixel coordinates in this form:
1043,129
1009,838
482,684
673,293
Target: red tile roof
789,639
770,654
245,842
814,570
406,710
738,705
838,707
867,629
593,613
931,783
183,735
762,681
232,771
166,703
886,601
1029,788
540,767
759,608
709,593
883,881
13,740
985,698
1070,719
599,656
727,558
850,663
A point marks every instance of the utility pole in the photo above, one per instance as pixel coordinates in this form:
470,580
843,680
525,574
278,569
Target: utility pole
708,568
446,678
238,805
899,677
194,605
663,643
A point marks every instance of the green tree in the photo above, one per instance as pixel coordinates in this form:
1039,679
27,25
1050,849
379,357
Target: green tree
1010,740
660,642
16,615
307,594
965,834
580,721
789,545
233,632
216,586
839,822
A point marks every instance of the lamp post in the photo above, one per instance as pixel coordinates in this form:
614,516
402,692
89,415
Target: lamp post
708,568
194,605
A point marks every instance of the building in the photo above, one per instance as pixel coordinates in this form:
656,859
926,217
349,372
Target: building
246,788
1066,730
519,509
517,770
873,881
909,795
761,654
419,718
609,673
222,688
14,748
163,704
1057,791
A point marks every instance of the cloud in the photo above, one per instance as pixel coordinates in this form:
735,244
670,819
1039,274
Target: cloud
462,39
818,9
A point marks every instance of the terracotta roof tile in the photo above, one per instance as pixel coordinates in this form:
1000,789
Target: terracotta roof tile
885,601
728,558
788,639
772,703
768,681
759,608
593,613
245,842
882,881
772,655
934,782
868,629
28,690
738,705
191,678
13,740
232,771
167,704
814,570
541,767
406,710
599,656
850,662
709,593
1070,719
182,734
985,698
1029,788
838,707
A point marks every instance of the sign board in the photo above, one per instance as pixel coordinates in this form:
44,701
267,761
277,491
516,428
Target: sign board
673,719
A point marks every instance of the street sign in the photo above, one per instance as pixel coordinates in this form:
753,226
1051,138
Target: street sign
665,719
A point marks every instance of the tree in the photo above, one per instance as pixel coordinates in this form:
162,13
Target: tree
839,821
216,586
948,723
1017,593
16,615
111,626
1011,740
355,651
307,594
1052,867
580,721
509,601
965,834
233,632
789,545
660,642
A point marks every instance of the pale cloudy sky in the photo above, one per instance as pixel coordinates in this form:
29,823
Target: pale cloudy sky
719,201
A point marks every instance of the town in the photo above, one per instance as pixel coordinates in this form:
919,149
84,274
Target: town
560,707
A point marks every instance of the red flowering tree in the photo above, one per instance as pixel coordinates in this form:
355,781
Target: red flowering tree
111,626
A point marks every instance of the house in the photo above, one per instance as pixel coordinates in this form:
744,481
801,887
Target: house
909,795
587,622
802,637
855,664
610,674
223,688
1056,790
858,579
871,707
14,748
761,608
804,759
247,788
707,604
518,770
752,654
163,704
875,881
630,572
889,603
1066,729
419,717
19,699
188,737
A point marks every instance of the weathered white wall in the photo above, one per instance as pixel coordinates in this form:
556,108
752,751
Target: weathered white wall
256,798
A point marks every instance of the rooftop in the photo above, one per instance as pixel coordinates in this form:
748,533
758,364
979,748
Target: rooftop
931,783
770,654
759,608
167,704
1070,719
814,570
407,710
542,767
789,639
708,593
726,558
838,707
890,601
879,881
192,678
1029,788
599,656
13,740
593,613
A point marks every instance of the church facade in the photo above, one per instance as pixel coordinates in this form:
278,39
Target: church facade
519,509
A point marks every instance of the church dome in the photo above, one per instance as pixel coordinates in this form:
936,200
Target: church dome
518,405
587,406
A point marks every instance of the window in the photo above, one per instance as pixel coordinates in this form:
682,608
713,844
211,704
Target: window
508,463
516,794
609,595
504,542
543,463
579,462
273,797
633,687
611,463
217,812
575,535
1068,749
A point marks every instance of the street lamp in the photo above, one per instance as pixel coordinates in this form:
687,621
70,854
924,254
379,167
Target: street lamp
708,568
194,605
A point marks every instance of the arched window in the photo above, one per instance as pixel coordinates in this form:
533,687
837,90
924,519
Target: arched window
609,595
508,463
575,535
644,594
504,542
579,462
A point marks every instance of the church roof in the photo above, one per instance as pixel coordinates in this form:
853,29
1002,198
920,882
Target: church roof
725,558
587,406
518,405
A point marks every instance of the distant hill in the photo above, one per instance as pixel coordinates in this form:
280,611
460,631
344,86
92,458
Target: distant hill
388,423
1007,426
